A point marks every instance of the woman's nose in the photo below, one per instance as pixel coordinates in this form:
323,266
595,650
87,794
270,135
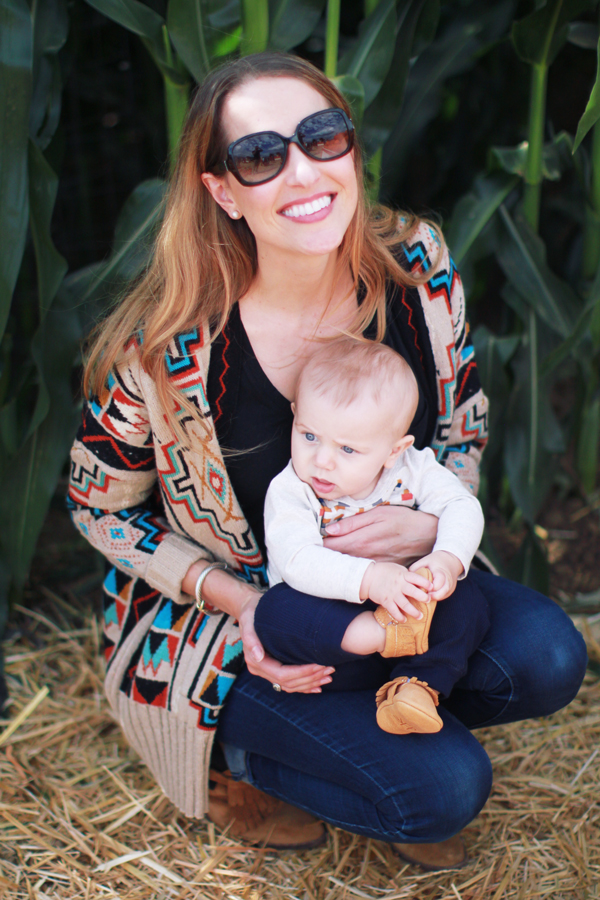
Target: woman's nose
300,168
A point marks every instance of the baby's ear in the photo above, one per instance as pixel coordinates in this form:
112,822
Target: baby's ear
399,447
293,405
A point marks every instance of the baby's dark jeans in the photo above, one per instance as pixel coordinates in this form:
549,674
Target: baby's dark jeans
299,628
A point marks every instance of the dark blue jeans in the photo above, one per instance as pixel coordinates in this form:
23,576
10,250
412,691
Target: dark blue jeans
326,754
298,628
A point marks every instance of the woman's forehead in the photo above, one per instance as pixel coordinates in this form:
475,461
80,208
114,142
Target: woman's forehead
270,104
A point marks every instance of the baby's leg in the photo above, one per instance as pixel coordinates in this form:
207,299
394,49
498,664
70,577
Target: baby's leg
407,703
460,623
298,628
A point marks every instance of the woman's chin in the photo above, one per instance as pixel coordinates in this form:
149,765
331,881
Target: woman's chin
320,244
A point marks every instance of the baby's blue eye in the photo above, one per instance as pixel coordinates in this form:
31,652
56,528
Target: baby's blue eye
347,449
309,436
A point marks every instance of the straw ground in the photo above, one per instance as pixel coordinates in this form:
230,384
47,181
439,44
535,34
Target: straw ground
81,817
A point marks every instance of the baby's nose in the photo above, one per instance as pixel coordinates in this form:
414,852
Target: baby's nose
324,458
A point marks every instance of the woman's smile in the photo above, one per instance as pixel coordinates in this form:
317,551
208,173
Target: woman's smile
313,209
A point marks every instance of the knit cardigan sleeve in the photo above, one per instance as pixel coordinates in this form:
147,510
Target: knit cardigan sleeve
468,433
113,496
461,431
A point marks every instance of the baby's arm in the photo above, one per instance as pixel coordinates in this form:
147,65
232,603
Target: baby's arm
295,547
439,492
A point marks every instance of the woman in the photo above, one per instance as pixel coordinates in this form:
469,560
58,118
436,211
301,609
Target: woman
267,249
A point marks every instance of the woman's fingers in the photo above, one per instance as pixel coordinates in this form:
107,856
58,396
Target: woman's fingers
385,534
291,679
253,649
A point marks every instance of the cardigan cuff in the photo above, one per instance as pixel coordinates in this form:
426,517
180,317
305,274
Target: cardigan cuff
170,563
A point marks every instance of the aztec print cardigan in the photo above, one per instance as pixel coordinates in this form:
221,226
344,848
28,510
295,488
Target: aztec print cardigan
153,507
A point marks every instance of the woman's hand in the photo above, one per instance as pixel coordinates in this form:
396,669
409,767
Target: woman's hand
385,534
303,679
239,599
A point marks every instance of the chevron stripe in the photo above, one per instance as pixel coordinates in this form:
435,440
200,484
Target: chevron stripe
185,361
474,426
416,256
83,482
144,521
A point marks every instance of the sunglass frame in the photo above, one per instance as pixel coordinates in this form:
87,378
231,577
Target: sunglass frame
229,161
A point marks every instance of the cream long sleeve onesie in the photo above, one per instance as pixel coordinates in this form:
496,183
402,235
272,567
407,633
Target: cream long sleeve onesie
295,519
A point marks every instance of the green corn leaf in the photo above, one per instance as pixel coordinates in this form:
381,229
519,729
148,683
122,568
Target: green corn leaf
592,110
50,29
555,157
583,34
28,480
529,565
224,44
187,27
292,21
132,246
147,24
588,442
493,354
538,37
572,343
533,437
16,60
51,267
522,256
416,20
255,26
446,56
371,57
353,91
473,211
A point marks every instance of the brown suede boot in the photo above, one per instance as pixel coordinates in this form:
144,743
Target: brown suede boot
407,706
449,854
259,819
408,638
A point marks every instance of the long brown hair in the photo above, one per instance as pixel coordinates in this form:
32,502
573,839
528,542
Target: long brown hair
204,261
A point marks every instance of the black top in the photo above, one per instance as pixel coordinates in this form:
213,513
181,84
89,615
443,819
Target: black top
253,420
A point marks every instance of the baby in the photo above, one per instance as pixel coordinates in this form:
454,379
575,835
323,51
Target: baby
351,452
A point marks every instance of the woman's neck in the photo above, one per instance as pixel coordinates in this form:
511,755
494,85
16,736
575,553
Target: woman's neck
289,306
297,287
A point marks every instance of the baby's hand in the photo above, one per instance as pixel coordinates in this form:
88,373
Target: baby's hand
446,570
392,586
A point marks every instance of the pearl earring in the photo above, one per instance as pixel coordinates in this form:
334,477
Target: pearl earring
234,214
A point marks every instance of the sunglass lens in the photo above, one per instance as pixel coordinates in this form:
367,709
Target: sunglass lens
258,157
325,135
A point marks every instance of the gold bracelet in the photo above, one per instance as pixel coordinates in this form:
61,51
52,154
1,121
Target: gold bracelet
200,603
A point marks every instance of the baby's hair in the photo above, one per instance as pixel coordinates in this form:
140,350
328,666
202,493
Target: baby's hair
345,368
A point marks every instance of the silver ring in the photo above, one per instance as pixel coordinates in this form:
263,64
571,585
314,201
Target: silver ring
276,687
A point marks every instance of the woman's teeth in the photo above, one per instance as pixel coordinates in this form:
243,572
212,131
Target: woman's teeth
306,209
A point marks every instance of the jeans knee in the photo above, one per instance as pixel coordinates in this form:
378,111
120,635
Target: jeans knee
565,671
446,806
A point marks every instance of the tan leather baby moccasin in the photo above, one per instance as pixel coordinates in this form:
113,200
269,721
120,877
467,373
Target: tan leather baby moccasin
409,638
259,819
407,706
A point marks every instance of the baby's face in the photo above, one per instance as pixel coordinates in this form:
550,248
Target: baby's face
341,450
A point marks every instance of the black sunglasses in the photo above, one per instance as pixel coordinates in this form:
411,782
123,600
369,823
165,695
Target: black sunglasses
259,157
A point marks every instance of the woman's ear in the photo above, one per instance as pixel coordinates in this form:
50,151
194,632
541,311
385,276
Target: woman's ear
399,447
219,191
